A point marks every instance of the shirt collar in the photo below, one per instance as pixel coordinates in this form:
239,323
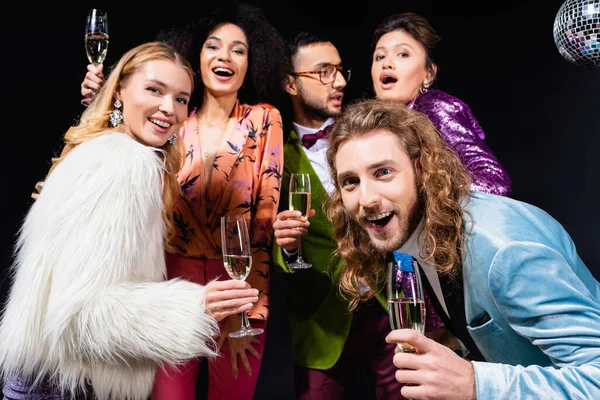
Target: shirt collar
412,245
302,130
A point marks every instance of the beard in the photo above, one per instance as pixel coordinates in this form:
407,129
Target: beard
402,225
314,108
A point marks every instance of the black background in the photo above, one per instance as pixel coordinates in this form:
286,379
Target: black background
541,114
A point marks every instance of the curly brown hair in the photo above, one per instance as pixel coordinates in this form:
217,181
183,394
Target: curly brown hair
442,183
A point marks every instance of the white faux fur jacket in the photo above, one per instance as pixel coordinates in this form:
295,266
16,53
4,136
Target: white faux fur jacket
89,302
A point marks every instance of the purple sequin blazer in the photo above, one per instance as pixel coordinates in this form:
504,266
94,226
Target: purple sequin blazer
459,128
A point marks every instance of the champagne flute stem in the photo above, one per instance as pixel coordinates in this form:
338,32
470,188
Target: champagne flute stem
245,322
300,260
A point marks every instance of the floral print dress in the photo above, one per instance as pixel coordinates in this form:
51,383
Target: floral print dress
245,179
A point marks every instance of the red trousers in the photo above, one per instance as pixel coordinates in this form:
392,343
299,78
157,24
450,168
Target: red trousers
181,384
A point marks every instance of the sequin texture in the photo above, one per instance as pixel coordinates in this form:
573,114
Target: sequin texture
18,388
461,130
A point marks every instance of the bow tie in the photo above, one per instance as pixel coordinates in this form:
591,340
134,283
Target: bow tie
310,139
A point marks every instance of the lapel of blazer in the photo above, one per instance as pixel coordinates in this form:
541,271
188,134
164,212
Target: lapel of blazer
296,161
453,291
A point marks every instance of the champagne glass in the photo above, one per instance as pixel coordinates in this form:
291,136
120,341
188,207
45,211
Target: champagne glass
237,257
96,36
406,301
300,201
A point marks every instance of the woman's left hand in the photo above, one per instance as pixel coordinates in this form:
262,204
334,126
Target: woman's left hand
237,347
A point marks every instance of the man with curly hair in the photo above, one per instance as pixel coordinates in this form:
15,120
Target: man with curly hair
506,273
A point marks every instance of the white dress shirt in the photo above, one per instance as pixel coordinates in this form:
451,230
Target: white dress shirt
317,154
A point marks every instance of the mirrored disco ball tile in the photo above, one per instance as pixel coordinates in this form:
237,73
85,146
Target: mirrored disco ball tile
577,32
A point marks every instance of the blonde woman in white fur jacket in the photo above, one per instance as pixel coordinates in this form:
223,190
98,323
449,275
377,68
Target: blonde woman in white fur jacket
89,310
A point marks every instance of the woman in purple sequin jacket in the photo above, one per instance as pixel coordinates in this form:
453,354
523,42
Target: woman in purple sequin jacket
403,70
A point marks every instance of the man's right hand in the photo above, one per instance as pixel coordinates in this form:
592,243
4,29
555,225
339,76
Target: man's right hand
289,226
92,83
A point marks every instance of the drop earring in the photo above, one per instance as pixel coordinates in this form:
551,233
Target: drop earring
116,117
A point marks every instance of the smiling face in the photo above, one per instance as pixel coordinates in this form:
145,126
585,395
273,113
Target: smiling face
377,183
224,60
316,100
398,69
155,101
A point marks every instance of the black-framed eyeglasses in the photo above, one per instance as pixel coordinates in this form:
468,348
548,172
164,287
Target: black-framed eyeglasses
327,73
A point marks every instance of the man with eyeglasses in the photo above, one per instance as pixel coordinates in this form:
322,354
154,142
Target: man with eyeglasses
328,341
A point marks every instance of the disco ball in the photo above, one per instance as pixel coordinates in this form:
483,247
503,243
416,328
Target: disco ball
577,32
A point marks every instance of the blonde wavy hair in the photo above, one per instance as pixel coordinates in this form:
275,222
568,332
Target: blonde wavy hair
442,183
94,121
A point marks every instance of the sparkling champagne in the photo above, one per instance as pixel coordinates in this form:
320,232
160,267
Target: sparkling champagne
300,201
407,313
96,46
238,267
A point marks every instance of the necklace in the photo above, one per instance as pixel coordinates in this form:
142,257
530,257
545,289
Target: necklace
209,148
211,124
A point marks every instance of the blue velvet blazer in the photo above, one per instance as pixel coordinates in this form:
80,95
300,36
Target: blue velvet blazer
523,276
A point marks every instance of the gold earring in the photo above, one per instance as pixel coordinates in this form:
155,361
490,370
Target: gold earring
425,86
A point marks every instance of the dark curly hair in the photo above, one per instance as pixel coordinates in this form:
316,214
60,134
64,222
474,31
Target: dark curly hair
267,60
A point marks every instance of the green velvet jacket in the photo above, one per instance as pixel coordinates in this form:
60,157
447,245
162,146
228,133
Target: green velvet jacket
319,316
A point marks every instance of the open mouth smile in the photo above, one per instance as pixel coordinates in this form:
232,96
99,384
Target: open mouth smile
379,221
160,123
223,72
